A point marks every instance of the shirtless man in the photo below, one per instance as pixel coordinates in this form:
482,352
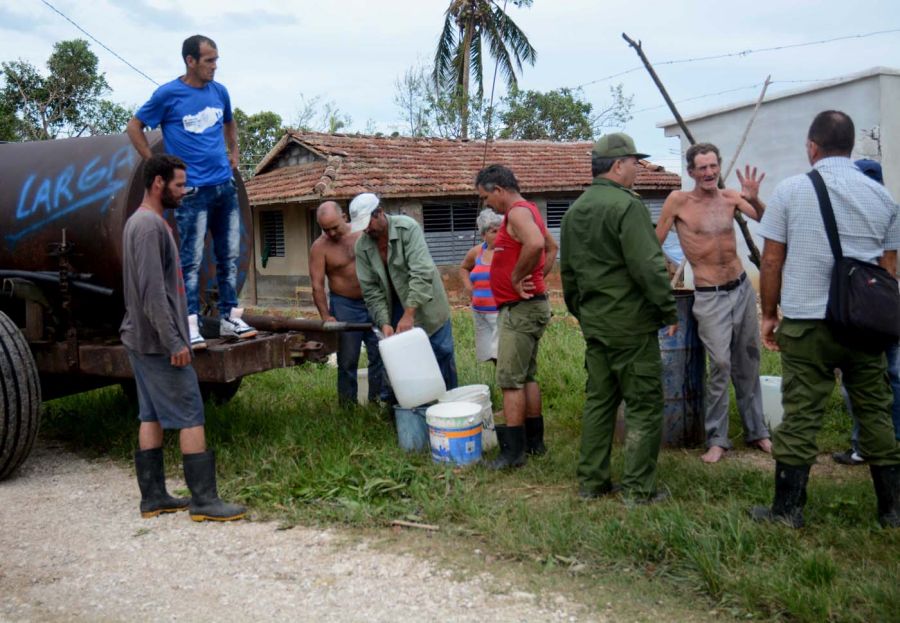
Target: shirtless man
724,300
332,255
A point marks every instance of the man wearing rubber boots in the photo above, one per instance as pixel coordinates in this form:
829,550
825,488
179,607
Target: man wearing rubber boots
796,273
524,252
615,283
155,334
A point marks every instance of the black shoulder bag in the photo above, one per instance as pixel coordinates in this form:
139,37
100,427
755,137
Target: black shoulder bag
863,301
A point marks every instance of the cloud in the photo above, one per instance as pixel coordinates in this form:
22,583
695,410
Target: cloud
147,14
256,19
21,22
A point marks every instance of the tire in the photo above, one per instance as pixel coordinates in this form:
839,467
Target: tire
20,398
220,393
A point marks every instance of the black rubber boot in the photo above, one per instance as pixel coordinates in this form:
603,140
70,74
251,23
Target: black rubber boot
534,436
513,455
887,489
502,437
151,477
790,496
200,474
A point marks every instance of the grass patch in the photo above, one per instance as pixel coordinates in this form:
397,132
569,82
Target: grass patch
288,451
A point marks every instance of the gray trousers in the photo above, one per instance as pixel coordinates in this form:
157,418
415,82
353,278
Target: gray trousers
729,329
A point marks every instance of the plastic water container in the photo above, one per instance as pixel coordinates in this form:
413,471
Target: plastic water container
479,394
412,431
773,412
454,430
412,368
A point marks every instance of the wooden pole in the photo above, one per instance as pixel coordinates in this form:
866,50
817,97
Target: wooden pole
751,245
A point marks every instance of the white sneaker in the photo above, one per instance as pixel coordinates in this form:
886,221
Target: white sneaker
233,326
197,341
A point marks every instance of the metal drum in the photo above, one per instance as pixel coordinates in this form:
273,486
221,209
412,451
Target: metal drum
684,374
87,187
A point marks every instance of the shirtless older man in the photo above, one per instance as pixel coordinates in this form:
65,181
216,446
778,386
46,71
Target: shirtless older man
332,255
724,300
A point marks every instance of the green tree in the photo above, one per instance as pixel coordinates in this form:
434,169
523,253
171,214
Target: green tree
561,115
459,54
257,135
315,115
68,101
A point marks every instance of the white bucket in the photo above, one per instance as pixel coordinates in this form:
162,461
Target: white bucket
454,431
412,368
479,394
362,386
773,412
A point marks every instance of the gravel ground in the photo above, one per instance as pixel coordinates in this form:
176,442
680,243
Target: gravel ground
73,547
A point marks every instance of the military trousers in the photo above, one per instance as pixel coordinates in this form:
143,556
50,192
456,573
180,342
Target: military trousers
809,355
630,369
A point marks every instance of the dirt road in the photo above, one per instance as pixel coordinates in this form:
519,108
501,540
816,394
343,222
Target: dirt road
74,548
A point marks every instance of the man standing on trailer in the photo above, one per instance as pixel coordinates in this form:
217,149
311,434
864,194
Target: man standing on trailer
194,112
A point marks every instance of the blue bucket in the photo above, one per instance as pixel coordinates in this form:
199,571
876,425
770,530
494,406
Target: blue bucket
412,431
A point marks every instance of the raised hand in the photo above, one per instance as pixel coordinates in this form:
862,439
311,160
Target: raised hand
750,182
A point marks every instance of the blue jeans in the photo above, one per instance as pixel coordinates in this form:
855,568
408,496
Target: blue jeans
349,346
442,345
215,207
893,366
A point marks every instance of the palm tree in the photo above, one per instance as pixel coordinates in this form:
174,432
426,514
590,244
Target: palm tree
459,50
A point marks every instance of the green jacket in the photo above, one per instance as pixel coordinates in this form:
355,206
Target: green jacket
613,273
412,273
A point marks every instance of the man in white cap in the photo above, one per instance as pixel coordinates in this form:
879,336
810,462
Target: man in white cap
400,283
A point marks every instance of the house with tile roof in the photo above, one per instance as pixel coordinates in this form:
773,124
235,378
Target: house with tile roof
429,179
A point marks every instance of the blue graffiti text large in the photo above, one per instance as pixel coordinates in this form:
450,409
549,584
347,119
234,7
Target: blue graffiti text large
46,198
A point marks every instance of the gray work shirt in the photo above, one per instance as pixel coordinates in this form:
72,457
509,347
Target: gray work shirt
155,320
867,222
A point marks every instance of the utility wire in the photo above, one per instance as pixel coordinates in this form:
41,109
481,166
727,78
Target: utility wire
744,88
97,41
742,53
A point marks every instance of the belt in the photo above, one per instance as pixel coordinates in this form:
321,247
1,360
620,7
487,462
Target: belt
725,287
536,297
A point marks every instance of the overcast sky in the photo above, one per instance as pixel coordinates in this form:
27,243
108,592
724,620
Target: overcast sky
352,51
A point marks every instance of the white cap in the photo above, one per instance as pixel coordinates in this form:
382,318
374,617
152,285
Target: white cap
361,209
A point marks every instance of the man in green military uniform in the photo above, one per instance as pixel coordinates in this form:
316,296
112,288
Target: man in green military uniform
615,283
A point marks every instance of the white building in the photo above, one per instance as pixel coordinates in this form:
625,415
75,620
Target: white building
776,143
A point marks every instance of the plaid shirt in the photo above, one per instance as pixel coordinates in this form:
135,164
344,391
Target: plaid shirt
867,222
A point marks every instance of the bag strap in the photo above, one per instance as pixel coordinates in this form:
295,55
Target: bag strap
827,214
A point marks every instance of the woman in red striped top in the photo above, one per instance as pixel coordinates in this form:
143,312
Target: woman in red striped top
475,271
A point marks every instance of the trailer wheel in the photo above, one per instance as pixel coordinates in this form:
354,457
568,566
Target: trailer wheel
20,398
220,393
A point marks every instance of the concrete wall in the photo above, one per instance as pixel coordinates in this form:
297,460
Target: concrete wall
285,279
776,143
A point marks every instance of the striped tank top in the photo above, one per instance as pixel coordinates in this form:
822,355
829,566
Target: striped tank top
480,276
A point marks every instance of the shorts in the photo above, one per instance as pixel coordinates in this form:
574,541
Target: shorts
166,394
521,326
486,335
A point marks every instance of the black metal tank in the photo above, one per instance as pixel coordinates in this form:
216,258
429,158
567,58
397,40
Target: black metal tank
87,187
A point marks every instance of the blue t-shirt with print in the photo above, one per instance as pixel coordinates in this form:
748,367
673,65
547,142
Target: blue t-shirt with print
191,120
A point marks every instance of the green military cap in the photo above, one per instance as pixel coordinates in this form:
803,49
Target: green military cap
617,145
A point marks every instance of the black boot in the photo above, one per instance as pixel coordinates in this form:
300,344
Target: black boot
200,474
887,489
534,436
502,437
790,496
513,455
151,477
